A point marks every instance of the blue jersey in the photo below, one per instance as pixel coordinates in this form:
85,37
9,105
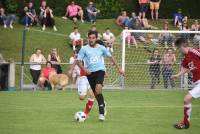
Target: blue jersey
94,57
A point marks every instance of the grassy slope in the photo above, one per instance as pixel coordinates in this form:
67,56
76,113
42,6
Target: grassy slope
138,112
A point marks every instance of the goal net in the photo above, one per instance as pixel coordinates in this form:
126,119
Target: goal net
149,58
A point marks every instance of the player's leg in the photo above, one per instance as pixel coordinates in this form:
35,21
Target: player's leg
194,93
90,102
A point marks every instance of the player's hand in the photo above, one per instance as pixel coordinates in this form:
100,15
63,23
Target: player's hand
174,77
121,72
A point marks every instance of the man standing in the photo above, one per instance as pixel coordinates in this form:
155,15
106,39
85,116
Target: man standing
154,6
93,55
143,8
190,63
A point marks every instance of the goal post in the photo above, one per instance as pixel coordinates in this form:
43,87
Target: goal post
135,57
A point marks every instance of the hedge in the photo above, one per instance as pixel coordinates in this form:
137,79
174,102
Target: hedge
111,8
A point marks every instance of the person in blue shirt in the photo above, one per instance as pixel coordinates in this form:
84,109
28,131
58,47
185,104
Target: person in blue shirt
93,54
92,12
179,19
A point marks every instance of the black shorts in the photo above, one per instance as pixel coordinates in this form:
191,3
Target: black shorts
96,78
144,7
71,17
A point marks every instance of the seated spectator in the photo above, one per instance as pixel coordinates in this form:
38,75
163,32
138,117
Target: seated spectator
6,20
195,26
169,60
197,40
185,27
143,8
132,20
74,12
92,12
154,6
99,38
123,19
138,26
43,7
44,77
36,60
179,19
29,16
54,58
129,38
166,38
48,19
146,24
154,68
109,39
75,38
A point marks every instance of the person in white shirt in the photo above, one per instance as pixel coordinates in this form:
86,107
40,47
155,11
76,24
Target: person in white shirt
36,60
75,38
109,39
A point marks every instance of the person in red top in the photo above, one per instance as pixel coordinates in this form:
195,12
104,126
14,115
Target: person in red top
44,77
190,63
83,86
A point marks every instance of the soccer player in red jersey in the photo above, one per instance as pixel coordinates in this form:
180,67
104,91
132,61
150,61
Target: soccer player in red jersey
190,63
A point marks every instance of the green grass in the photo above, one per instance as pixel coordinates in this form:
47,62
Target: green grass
138,112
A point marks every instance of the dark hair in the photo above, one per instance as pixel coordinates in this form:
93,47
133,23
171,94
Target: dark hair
75,27
48,62
93,33
38,49
181,42
107,28
156,49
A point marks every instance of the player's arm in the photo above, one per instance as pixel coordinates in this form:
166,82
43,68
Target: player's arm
183,71
114,61
80,64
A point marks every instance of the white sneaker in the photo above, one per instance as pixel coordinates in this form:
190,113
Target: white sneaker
4,26
102,117
82,21
11,26
55,29
43,28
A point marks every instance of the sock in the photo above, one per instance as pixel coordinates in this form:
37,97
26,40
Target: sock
101,104
187,113
89,105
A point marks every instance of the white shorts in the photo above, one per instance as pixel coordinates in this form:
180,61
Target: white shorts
195,92
82,85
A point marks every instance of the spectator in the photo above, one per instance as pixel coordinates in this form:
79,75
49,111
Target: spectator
178,18
195,26
109,39
75,38
6,20
92,12
43,7
143,8
185,27
129,38
166,38
138,26
169,60
154,6
123,19
197,40
44,77
99,37
71,61
29,15
48,18
74,12
132,20
54,58
154,69
36,60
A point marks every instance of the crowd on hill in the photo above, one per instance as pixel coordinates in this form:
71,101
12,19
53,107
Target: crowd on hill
45,18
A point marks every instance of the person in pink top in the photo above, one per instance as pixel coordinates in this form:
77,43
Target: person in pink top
123,19
74,12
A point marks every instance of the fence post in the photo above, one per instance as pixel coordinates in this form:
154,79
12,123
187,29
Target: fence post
11,77
22,59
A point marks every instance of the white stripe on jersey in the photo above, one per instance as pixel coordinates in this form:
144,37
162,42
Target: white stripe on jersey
194,51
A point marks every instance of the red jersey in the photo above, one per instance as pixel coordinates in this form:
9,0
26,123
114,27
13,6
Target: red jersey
191,61
46,71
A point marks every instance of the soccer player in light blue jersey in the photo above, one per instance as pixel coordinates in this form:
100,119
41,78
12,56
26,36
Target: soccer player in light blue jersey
93,55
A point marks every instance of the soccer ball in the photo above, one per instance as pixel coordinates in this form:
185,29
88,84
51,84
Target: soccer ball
80,116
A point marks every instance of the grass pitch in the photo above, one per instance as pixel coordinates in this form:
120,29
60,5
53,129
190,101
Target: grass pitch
129,112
